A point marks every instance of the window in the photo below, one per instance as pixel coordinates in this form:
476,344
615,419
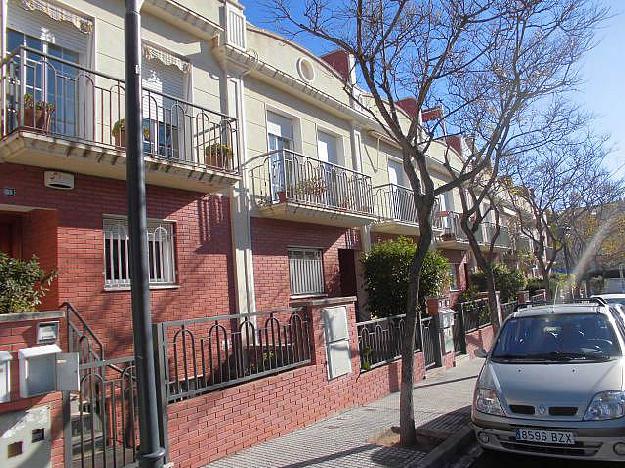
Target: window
160,250
306,271
279,132
454,270
327,147
396,174
50,80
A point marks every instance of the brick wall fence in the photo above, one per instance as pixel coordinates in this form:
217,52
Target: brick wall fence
220,423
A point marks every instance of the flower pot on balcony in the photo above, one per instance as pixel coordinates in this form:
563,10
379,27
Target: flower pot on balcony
282,196
37,115
119,133
219,155
447,236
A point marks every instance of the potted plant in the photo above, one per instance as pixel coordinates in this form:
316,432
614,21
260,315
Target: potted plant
219,155
119,132
37,114
314,187
282,198
23,284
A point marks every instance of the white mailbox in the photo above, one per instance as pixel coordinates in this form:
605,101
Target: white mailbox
45,369
5,376
337,341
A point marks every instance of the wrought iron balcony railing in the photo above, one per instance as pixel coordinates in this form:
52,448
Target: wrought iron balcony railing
284,176
489,231
52,96
450,224
396,203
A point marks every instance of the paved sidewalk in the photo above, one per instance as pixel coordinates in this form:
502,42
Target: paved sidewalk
442,404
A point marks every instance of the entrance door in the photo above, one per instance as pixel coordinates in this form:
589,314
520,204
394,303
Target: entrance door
9,235
347,270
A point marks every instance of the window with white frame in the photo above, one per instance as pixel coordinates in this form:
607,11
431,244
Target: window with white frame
306,271
160,240
454,271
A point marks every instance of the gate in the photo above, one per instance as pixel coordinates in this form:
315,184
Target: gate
101,420
429,335
460,343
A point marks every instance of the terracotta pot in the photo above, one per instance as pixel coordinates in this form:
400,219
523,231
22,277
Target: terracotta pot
282,197
37,118
120,138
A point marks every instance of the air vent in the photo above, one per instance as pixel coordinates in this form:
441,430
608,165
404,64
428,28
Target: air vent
58,180
563,411
522,409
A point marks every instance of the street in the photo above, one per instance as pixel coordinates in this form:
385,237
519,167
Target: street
496,460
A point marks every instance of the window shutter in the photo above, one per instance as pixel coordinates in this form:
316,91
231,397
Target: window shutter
279,126
36,24
326,147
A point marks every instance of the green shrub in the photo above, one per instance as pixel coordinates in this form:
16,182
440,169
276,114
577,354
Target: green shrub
533,285
387,269
507,282
22,284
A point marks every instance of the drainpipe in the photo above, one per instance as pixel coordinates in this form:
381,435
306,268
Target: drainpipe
151,452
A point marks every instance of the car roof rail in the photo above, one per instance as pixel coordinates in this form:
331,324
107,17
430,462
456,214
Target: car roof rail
577,300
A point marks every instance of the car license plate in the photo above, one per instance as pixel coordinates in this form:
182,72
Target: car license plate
545,437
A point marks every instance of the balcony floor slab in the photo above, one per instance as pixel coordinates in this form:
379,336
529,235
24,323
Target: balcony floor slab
37,149
291,211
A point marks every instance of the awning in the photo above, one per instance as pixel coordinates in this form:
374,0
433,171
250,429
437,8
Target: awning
58,13
151,52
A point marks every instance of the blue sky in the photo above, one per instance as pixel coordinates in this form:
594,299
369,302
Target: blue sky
602,92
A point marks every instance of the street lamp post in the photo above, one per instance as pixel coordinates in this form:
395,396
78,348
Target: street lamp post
151,452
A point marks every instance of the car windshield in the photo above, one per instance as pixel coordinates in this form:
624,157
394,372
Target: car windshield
615,300
557,338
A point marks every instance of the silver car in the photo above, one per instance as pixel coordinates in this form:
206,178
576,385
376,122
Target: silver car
553,384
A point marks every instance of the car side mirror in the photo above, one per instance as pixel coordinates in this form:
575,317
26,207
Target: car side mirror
481,353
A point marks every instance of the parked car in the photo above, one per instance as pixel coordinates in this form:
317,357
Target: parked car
553,384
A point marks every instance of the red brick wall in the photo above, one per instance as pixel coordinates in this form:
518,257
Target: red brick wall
13,337
39,237
480,338
220,423
203,246
270,242
460,258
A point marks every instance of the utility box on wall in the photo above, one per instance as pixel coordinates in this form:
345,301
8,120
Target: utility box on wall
5,376
337,341
25,438
45,369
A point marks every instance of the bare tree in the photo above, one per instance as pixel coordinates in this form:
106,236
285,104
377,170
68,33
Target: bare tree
554,188
486,61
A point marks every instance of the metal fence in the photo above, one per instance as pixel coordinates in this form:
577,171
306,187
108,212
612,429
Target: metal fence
379,340
507,308
475,314
286,176
53,96
393,202
200,355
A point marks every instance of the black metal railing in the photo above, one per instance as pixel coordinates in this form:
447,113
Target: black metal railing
62,99
429,333
379,340
460,344
450,224
507,308
393,202
502,240
475,314
200,355
285,176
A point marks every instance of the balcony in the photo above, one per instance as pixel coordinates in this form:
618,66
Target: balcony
452,237
290,186
503,241
57,114
397,213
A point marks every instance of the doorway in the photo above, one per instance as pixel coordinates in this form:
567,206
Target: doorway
10,238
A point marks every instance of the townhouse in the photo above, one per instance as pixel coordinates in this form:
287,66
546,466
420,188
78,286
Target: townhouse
264,181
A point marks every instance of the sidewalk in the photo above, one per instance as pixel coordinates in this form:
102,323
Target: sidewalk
442,404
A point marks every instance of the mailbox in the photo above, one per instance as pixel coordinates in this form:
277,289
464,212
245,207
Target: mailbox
5,376
45,369
447,327
25,438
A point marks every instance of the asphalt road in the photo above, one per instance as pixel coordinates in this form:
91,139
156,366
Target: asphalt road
498,460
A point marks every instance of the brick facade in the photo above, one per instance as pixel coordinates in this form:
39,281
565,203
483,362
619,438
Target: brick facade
66,233
270,242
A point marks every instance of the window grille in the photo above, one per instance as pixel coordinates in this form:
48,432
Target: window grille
306,271
160,253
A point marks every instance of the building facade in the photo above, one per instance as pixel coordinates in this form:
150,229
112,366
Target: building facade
265,181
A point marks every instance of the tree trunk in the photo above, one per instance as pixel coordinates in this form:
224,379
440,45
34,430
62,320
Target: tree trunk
407,429
493,304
